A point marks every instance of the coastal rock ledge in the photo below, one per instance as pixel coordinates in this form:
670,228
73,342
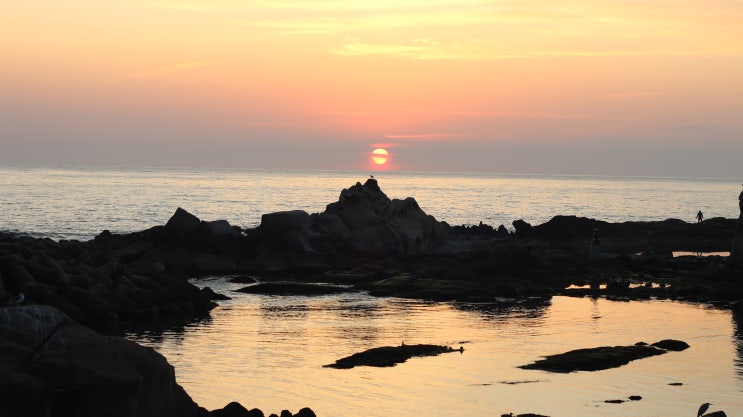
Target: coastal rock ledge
51,366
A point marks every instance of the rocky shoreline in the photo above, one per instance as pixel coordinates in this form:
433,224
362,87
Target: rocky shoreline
363,242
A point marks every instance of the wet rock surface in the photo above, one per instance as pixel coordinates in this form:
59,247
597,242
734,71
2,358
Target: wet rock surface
53,366
605,357
389,355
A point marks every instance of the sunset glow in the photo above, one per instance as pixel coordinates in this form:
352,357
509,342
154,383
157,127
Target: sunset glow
454,85
380,156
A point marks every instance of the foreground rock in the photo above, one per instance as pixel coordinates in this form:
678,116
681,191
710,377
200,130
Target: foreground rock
389,355
600,358
53,366
94,284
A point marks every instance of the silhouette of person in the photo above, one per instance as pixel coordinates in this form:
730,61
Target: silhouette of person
740,202
700,216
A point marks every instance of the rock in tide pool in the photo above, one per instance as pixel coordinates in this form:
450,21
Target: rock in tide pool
600,358
292,288
390,355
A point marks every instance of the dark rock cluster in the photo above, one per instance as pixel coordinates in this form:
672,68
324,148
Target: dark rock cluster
52,366
364,241
93,283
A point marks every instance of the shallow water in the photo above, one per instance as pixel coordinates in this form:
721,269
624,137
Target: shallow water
268,352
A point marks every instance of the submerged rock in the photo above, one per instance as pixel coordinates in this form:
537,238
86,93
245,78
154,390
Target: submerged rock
600,358
390,355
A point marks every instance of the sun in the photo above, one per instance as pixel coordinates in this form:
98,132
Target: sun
380,156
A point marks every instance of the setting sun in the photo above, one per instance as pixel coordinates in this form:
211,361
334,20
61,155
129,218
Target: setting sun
380,156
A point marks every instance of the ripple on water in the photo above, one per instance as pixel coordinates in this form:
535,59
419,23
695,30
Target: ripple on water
268,352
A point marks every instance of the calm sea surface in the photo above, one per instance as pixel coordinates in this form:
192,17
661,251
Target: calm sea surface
80,202
268,352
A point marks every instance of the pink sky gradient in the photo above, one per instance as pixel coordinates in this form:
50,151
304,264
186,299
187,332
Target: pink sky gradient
583,87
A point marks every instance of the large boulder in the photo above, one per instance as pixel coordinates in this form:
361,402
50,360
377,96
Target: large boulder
52,366
363,221
366,221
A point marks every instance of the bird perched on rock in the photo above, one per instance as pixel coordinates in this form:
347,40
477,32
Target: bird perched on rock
703,409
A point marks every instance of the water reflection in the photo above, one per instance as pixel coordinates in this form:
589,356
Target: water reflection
268,352
528,312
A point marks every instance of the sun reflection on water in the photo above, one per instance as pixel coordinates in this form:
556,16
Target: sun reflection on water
268,352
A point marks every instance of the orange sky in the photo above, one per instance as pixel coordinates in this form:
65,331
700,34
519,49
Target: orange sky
504,86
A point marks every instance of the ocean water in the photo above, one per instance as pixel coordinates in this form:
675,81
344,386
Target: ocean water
268,352
80,202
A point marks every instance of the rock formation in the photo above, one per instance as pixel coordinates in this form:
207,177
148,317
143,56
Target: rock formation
736,254
606,357
363,222
92,282
52,366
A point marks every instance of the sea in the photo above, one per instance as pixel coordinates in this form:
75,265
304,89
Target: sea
268,352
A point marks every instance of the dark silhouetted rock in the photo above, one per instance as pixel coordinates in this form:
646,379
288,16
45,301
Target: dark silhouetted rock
736,254
670,344
389,355
183,222
305,412
210,294
600,358
292,288
233,409
242,279
53,366
364,221
523,229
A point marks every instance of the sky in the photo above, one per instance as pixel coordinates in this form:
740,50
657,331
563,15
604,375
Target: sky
632,87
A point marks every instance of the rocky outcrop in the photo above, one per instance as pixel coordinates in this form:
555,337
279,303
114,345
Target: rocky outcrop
94,285
363,222
736,254
606,357
389,355
52,366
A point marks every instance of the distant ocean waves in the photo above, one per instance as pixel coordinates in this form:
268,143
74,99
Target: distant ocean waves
80,202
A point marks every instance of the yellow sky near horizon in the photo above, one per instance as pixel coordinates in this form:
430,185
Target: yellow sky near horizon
407,70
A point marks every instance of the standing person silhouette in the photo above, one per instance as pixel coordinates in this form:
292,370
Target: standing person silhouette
700,216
